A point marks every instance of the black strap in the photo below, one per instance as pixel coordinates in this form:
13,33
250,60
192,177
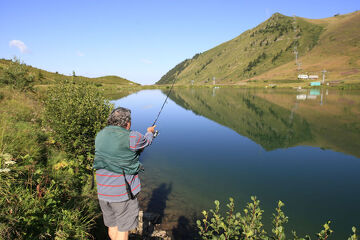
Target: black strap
92,180
128,188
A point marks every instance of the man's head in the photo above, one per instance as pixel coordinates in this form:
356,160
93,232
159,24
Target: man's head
120,117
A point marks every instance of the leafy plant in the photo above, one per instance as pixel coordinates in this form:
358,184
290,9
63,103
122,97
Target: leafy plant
278,223
248,225
40,196
235,225
354,236
40,209
76,111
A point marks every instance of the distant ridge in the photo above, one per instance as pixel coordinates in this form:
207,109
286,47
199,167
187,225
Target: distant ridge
45,77
267,52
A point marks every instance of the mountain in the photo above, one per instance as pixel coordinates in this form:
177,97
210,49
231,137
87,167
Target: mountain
266,52
43,77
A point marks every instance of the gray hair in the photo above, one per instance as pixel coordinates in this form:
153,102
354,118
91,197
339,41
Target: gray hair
119,117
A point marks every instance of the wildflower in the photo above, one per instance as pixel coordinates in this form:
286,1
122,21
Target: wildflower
60,165
5,170
10,162
6,156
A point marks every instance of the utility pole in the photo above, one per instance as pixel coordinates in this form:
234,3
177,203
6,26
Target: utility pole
295,47
294,22
296,56
323,72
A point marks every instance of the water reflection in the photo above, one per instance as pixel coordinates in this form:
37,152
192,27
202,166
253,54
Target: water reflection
281,120
241,143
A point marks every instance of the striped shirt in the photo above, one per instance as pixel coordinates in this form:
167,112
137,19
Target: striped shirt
110,185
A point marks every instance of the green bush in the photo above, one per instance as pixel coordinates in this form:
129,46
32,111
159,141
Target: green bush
40,195
17,75
34,206
76,111
248,225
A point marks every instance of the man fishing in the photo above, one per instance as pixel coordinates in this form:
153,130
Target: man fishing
117,150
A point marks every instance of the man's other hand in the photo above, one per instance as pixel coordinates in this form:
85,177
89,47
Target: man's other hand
151,129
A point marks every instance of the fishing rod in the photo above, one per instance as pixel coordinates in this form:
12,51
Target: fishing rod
128,188
172,85
156,133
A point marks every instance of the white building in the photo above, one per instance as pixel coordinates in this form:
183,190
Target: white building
313,76
301,97
303,76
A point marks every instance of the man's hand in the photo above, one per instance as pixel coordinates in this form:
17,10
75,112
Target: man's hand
151,129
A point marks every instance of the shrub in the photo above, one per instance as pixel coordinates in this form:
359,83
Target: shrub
17,75
276,56
34,206
76,111
255,62
40,76
248,225
40,197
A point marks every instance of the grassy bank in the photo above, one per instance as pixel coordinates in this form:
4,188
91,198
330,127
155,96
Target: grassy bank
41,193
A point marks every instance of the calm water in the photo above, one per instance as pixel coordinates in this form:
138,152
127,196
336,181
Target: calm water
299,147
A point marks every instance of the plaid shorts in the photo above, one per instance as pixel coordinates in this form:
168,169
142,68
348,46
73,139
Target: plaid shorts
124,215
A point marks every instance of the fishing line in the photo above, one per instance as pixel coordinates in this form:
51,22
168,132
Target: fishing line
164,103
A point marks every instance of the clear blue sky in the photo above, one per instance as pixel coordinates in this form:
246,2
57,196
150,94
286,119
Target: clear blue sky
138,40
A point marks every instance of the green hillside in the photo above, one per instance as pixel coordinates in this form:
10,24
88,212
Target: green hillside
43,77
269,48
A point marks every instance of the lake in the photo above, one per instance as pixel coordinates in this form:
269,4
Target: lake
300,147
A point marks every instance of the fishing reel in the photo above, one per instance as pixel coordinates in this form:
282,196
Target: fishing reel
156,133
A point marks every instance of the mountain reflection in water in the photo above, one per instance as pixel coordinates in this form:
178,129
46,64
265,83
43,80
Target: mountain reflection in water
283,119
